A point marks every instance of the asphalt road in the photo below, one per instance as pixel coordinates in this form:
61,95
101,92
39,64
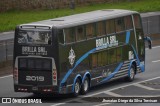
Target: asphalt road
145,84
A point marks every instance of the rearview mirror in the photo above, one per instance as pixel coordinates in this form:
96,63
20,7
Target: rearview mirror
148,39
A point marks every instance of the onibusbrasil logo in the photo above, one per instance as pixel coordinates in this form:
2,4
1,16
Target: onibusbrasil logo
20,100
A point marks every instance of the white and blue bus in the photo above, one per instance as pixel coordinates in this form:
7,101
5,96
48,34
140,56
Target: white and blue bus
73,53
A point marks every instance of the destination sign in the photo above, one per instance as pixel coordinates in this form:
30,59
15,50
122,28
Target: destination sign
34,50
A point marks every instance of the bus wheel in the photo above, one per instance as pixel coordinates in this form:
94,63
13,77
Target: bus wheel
131,75
77,87
85,86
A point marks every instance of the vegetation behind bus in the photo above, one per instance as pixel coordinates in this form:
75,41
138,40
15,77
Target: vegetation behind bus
10,19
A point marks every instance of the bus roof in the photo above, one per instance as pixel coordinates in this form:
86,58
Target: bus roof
80,19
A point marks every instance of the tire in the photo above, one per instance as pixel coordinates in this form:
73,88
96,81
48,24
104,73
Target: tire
131,75
77,87
85,86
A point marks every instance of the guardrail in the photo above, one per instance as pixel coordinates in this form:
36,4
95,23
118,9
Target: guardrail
6,50
151,23
151,26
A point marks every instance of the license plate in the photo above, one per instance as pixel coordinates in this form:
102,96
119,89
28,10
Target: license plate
35,88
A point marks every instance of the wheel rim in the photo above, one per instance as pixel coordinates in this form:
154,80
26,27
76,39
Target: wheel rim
77,87
132,73
86,85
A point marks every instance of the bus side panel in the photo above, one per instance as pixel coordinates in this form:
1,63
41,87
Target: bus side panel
80,65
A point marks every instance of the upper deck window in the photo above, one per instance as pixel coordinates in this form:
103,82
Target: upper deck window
61,36
80,35
137,21
110,26
100,28
90,30
34,37
69,34
128,22
119,24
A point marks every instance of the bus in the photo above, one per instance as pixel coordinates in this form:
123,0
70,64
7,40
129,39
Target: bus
73,53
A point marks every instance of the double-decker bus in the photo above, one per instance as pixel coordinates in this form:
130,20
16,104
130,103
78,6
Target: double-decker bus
73,53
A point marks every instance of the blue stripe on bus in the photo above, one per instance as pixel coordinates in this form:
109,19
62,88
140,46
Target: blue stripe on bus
128,33
112,74
140,65
76,64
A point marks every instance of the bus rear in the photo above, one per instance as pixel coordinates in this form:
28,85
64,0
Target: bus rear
34,68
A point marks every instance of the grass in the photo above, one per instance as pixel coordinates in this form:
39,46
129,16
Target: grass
5,64
9,20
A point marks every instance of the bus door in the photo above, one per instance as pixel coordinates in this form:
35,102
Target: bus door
139,36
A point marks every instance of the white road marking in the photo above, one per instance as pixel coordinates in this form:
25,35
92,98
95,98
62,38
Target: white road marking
156,61
58,104
112,94
6,76
121,87
102,104
153,47
144,87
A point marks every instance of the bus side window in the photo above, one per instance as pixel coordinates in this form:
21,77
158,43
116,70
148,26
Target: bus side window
125,53
80,35
105,58
94,60
128,22
100,26
110,26
119,24
90,30
119,54
100,59
112,56
69,35
61,36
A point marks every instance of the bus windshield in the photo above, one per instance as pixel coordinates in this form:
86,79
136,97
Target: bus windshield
34,37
